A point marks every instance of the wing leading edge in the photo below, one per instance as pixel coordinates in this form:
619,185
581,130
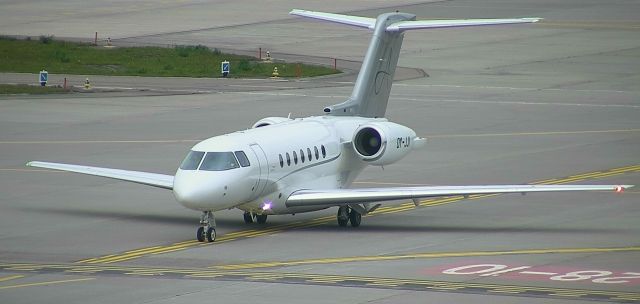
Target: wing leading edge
150,179
336,197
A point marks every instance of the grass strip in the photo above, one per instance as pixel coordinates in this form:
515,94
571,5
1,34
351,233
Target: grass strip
63,57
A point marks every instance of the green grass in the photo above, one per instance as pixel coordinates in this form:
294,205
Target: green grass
61,57
28,89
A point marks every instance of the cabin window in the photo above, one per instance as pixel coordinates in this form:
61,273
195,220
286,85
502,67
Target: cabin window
315,149
242,158
295,157
192,160
324,152
219,161
309,154
302,156
281,161
288,159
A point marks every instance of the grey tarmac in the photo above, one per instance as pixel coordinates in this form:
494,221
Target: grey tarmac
554,102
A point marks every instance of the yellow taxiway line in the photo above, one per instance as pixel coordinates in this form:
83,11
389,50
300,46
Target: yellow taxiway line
426,255
9,278
320,279
164,141
46,283
533,133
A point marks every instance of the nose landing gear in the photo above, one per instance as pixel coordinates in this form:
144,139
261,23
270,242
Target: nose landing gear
207,230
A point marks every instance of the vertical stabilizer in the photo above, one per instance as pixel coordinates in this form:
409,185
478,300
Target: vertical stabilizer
373,85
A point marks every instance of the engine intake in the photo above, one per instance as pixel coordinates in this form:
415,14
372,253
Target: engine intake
368,142
383,143
269,121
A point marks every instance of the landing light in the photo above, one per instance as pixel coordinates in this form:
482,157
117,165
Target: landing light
266,206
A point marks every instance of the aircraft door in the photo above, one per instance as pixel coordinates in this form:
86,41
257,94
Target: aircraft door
263,170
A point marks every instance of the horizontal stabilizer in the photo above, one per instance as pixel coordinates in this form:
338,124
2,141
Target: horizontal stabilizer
427,24
150,179
400,26
373,86
337,18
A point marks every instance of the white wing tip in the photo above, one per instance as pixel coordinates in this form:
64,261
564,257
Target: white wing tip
621,188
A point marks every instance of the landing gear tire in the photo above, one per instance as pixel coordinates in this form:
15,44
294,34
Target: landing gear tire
248,218
207,230
261,218
200,235
355,218
343,216
211,234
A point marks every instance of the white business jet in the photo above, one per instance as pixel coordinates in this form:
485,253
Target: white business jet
288,166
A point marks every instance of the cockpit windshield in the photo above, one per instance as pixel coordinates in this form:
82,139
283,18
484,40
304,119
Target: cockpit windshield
192,160
219,161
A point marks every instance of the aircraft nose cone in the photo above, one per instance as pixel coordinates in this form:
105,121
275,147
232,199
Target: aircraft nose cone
192,192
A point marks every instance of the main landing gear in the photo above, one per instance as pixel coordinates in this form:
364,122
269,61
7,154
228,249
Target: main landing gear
260,218
207,230
248,218
346,215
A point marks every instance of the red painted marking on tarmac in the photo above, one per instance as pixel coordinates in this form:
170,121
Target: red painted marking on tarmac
526,272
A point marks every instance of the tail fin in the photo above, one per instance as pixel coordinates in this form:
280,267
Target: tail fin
373,85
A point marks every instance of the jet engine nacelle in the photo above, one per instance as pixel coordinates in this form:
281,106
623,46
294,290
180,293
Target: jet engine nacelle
269,121
383,143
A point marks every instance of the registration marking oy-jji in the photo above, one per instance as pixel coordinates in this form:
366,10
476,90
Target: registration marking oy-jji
526,272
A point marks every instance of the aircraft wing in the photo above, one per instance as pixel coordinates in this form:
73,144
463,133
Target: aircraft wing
336,197
150,179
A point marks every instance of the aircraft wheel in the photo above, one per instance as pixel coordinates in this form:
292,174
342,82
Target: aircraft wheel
343,216
262,218
211,234
355,218
200,235
248,219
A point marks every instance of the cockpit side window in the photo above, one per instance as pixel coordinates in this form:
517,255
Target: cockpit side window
192,160
242,158
219,161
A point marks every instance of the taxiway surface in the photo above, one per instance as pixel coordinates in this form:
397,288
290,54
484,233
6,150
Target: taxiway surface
556,102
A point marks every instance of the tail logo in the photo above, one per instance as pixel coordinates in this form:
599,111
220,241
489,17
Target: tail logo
382,76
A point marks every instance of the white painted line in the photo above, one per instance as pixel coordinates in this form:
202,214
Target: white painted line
260,86
538,273
522,103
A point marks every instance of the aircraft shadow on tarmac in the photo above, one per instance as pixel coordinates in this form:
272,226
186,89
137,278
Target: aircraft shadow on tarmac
331,227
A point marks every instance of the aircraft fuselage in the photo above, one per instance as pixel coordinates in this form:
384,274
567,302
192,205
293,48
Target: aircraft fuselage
304,153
